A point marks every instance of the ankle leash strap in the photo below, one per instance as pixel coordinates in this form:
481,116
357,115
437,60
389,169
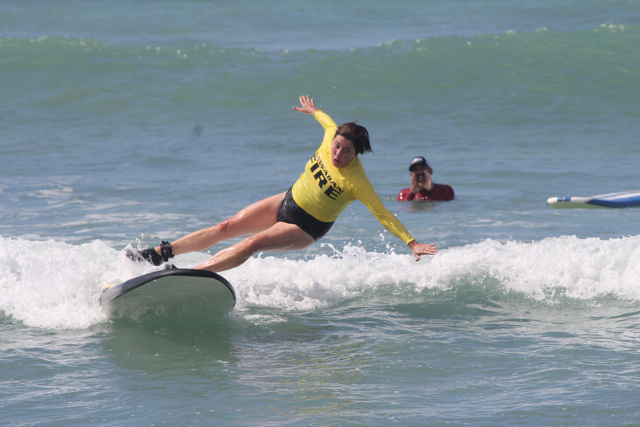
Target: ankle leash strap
165,251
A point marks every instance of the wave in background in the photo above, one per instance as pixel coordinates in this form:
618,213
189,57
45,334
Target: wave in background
295,25
525,69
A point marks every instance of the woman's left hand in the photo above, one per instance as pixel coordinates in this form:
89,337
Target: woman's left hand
419,249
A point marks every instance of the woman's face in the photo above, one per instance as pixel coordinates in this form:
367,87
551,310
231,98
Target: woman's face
342,152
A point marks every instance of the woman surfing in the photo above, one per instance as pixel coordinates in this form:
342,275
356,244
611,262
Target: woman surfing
295,219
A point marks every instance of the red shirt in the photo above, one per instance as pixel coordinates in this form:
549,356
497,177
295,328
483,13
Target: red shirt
439,193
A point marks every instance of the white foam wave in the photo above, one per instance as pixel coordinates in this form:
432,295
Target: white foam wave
53,284
575,268
566,267
56,285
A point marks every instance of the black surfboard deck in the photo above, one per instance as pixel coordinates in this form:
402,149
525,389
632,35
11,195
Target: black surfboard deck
173,292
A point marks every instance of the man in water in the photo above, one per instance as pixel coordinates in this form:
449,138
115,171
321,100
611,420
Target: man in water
422,187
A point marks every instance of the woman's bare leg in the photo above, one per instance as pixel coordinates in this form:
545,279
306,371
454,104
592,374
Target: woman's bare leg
252,219
280,237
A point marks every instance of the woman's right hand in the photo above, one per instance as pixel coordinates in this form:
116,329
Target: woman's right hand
308,106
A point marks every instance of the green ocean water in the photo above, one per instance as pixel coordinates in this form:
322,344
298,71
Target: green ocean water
124,123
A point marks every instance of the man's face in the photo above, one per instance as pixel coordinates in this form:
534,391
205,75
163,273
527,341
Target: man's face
419,174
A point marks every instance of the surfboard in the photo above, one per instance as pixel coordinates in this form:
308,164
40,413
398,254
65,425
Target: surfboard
625,199
176,292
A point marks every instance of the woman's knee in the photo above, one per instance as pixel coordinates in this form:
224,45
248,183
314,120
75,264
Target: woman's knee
250,245
222,227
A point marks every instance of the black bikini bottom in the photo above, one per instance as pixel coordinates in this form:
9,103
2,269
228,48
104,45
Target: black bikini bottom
291,213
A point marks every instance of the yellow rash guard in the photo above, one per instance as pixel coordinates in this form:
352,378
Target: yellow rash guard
324,191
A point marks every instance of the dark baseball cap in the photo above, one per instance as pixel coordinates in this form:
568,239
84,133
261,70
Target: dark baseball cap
419,160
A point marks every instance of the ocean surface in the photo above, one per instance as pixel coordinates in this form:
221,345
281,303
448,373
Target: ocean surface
126,122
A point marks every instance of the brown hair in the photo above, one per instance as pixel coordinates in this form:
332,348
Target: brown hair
356,134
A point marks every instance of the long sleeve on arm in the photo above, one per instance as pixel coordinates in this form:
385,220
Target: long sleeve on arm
329,126
363,191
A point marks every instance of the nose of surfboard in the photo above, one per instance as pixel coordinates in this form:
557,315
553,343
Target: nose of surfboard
170,292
